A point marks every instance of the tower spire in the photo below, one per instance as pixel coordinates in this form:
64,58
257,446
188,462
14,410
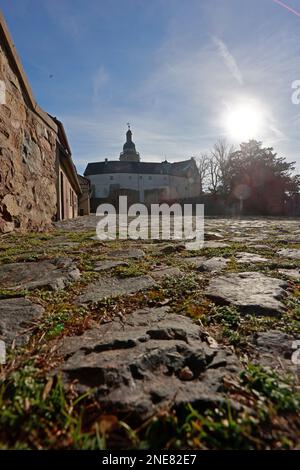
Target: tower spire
129,153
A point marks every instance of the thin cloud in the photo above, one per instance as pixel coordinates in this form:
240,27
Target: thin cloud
229,60
100,79
64,16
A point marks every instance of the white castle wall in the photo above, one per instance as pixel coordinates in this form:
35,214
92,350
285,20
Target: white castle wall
176,187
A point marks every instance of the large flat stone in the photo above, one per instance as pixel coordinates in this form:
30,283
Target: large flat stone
195,261
166,271
212,236
107,287
250,292
291,273
55,274
248,258
275,349
106,265
215,244
171,248
261,247
289,253
17,315
153,359
125,254
215,264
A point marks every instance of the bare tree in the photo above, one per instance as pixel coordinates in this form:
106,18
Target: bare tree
213,167
220,156
214,174
203,168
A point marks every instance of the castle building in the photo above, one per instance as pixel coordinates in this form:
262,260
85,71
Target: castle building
146,182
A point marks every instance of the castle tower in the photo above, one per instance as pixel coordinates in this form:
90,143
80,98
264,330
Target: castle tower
129,153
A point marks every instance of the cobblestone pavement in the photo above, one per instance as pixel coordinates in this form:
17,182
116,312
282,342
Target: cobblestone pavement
148,325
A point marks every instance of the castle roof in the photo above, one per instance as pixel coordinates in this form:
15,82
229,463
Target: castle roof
183,168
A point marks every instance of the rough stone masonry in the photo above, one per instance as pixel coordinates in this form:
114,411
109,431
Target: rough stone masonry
27,149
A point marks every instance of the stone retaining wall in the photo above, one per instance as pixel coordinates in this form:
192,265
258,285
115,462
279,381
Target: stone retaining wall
27,153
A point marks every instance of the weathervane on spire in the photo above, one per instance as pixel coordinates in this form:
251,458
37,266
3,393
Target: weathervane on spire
128,124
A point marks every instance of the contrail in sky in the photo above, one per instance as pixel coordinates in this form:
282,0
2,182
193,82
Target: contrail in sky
284,5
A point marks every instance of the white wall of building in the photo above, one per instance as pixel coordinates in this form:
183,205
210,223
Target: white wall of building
175,186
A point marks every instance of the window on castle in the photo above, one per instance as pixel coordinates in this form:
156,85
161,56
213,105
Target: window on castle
111,178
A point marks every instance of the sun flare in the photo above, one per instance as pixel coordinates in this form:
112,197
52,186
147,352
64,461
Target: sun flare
244,122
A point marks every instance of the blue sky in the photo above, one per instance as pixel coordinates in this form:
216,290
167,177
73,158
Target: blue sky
174,69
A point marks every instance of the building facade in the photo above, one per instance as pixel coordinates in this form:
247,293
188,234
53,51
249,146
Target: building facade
144,182
84,200
68,187
38,181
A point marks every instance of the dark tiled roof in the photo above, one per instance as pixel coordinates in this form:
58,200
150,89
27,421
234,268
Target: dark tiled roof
164,168
82,179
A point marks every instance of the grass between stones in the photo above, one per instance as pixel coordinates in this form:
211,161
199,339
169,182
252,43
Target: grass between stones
38,412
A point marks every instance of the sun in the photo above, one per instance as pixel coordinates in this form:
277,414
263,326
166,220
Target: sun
244,121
